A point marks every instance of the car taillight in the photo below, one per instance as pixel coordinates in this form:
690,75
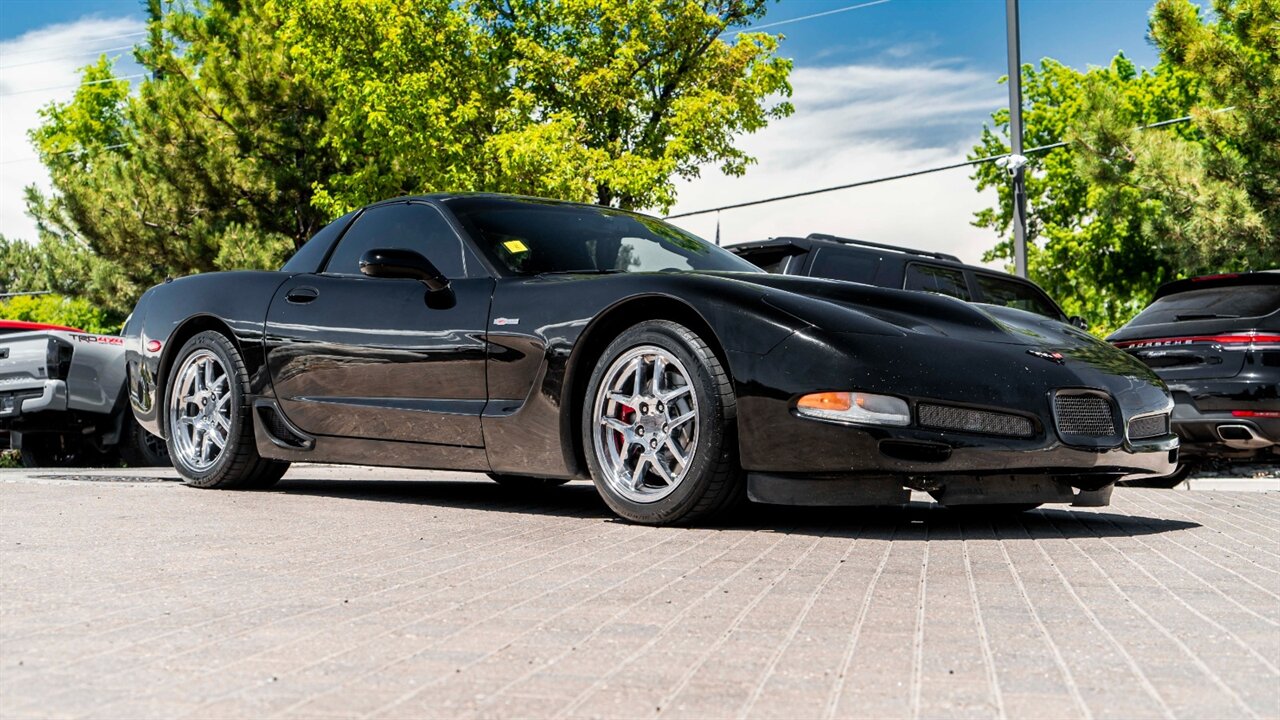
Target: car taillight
57,359
1247,337
1255,413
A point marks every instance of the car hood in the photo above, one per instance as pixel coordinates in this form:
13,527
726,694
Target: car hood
845,307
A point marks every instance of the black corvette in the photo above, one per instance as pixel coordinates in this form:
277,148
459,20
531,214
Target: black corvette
541,341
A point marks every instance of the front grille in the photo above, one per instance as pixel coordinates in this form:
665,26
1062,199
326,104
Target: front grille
1086,415
1149,426
946,417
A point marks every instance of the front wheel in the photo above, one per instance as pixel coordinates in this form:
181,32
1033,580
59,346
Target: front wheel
209,427
659,427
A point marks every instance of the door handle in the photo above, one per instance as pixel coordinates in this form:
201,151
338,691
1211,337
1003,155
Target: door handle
302,295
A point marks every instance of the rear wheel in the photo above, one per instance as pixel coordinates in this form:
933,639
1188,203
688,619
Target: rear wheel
659,427
56,450
139,448
210,430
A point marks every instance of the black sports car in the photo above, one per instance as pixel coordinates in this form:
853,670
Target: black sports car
541,341
1216,341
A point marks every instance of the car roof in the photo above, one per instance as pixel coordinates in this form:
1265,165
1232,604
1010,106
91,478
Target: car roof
813,241
1204,282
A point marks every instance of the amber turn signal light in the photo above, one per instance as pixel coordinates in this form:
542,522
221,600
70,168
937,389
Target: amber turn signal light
839,401
855,407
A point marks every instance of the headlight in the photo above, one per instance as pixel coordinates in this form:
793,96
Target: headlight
855,407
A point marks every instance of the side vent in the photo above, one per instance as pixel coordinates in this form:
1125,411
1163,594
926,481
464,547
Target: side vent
1149,426
281,431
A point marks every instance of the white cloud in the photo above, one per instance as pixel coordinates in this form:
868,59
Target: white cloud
852,123
26,86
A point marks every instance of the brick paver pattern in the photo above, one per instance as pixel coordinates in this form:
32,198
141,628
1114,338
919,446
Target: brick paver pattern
456,597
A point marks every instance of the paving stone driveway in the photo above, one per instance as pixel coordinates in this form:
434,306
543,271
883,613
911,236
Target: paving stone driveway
334,597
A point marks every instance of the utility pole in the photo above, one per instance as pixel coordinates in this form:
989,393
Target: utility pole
1016,160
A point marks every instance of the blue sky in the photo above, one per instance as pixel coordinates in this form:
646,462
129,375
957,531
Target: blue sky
1077,32
895,86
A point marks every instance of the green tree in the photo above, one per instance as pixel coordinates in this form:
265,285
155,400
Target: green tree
260,121
1117,211
1086,246
593,100
206,167
58,310
1219,187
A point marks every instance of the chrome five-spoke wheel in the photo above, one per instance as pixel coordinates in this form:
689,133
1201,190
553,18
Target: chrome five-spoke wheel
200,410
646,411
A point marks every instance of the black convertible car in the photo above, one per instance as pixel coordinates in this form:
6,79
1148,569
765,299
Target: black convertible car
541,341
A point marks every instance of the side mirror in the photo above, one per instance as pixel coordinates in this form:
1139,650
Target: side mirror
1079,322
399,263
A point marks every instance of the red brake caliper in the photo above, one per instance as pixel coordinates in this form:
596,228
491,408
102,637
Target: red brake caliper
627,414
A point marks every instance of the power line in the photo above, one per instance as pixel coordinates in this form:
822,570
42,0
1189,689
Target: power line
80,84
913,173
89,42
753,28
67,57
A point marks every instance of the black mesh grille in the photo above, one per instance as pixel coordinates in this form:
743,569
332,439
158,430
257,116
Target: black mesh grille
1149,426
1088,415
279,428
978,421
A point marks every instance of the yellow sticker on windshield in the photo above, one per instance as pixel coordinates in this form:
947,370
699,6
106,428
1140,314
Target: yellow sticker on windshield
515,246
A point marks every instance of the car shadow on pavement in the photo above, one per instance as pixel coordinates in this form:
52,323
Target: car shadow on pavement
913,521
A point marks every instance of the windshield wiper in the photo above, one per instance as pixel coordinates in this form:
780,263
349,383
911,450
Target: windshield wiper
1204,316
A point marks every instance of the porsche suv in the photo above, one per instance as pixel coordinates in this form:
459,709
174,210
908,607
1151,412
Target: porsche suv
1215,341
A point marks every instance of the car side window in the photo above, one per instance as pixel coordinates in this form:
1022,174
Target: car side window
1014,294
406,226
837,264
933,278
310,256
771,260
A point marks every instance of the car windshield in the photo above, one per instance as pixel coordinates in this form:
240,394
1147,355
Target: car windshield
533,237
1239,301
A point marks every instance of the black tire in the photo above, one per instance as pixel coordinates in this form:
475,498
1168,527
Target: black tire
1167,482
139,448
523,482
713,483
44,450
238,466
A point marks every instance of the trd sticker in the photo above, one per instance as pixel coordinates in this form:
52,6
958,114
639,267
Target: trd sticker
506,321
98,339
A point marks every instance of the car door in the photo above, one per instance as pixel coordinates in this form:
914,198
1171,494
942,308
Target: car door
380,358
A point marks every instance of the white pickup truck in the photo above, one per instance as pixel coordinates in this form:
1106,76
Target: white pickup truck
62,400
